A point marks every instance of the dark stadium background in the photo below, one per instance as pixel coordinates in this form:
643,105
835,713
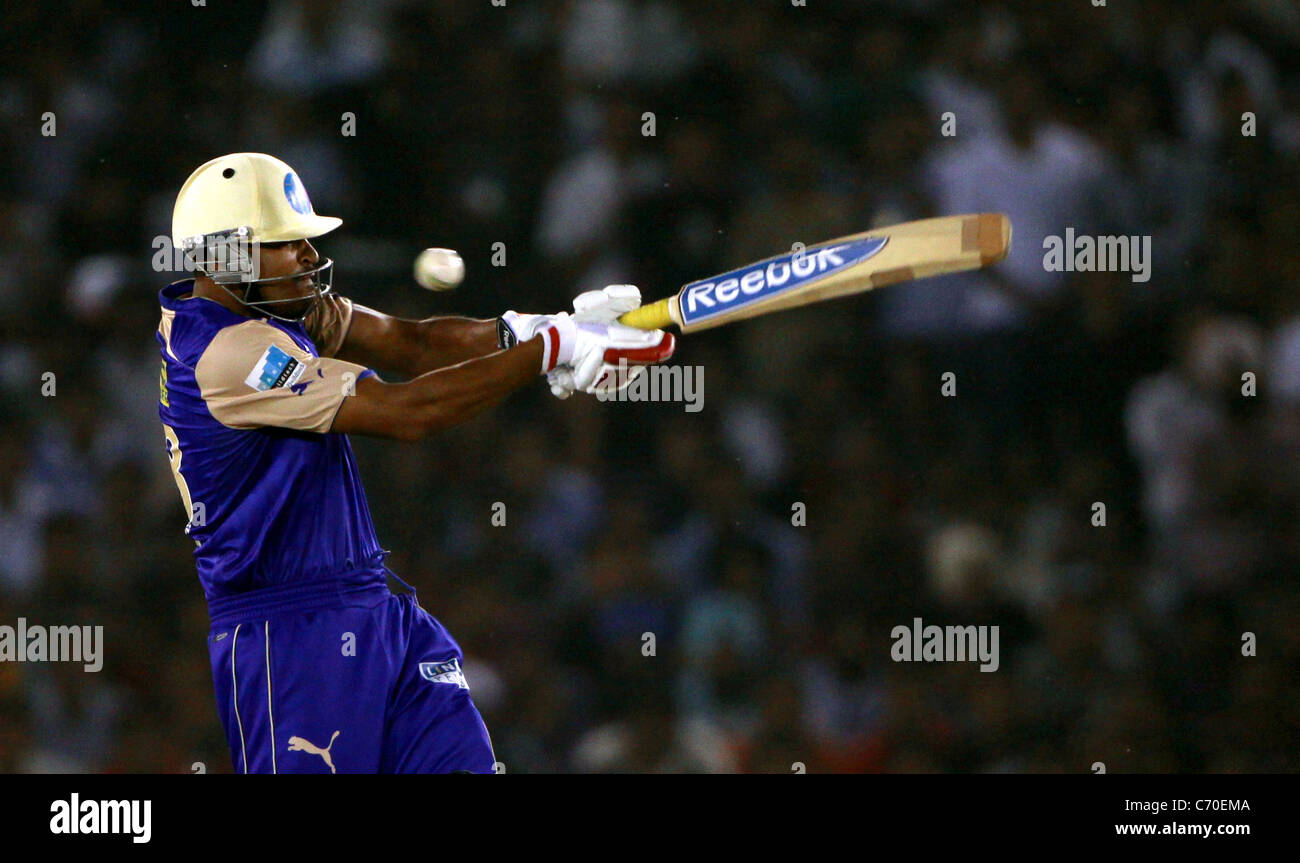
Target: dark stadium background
522,125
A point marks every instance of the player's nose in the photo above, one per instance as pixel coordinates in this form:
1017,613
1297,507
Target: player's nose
307,255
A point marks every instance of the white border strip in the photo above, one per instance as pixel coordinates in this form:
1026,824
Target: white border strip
234,696
269,712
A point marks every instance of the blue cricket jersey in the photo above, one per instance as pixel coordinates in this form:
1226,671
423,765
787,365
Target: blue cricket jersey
246,404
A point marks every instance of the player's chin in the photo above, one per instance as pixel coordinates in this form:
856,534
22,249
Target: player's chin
297,308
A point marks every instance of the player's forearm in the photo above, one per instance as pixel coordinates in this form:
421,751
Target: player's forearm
450,396
443,342
438,399
410,347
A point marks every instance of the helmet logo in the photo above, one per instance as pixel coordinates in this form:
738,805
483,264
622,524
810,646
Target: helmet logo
296,194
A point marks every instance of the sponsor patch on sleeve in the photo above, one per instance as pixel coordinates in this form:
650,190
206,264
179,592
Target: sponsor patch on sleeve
444,672
274,368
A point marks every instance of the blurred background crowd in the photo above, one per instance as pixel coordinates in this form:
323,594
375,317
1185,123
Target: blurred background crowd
525,125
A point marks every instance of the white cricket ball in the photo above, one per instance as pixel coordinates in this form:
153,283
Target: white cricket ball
439,269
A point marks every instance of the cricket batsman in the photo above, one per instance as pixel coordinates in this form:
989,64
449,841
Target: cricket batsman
319,665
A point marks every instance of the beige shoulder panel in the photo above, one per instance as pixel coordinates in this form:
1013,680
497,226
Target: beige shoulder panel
253,375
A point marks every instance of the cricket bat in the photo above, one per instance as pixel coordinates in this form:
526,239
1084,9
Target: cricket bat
837,268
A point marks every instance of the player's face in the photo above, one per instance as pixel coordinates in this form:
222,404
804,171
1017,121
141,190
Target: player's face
286,259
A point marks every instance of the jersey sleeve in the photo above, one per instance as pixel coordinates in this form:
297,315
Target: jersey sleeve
327,323
253,375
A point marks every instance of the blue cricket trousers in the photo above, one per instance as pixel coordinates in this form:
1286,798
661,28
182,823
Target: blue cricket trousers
342,676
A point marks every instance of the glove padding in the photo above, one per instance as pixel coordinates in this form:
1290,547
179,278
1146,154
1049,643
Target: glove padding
605,306
588,350
607,348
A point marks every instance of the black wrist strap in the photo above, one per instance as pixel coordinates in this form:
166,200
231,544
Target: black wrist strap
505,336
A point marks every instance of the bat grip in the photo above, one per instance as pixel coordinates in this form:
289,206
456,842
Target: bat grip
655,316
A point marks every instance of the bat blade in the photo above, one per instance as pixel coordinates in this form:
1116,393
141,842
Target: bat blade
837,268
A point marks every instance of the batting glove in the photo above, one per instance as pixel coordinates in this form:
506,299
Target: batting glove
603,306
587,350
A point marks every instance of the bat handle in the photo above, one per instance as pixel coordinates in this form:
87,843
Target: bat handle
655,316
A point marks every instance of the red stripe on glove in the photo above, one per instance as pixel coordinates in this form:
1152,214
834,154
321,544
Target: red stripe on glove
552,347
656,354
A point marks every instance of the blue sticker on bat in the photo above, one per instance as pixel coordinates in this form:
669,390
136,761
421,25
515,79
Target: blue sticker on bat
720,294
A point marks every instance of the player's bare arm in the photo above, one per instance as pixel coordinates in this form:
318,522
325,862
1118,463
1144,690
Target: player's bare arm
458,364
589,350
411,348
438,399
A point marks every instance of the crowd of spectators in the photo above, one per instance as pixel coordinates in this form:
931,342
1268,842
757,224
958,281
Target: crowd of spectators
711,591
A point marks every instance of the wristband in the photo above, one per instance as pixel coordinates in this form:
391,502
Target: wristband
506,338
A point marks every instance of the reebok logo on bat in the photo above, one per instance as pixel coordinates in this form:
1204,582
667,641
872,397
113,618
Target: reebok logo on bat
775,276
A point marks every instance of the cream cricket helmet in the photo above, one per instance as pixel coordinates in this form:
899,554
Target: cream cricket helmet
232,204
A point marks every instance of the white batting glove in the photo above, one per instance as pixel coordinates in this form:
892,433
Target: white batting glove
606,304
514,328
605,348
587,350
602,306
